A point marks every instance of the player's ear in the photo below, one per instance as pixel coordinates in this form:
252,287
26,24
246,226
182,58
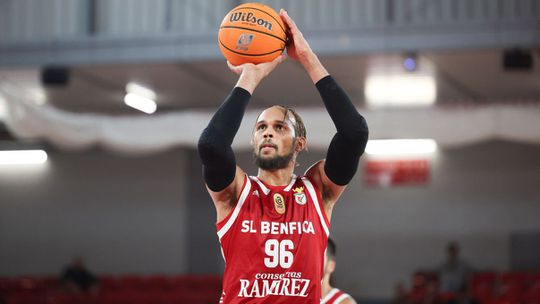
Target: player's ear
251,140
301,143
331,265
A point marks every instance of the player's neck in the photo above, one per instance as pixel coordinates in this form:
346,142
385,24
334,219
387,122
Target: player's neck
326,287
279,177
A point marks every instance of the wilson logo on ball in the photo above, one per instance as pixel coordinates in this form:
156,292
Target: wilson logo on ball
250,17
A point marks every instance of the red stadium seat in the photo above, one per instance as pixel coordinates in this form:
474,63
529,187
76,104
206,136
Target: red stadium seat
119,297
71,298
519,278
133,282
483,277
534,278
482,292
109,283
25,298
159,283
49,284
511,291
532,295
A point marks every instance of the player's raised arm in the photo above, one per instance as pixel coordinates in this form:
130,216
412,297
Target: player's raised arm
221,175
348,144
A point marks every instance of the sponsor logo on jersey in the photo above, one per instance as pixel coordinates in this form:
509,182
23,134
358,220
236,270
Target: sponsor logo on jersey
289,284
244,41
299,195
279,203
255,193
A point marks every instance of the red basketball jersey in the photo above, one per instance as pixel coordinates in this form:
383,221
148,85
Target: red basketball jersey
335,296
273,243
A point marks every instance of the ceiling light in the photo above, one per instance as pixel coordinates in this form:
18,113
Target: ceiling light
140,103
3,108
23,157
140,97
410,62
401,146
140,90
400,90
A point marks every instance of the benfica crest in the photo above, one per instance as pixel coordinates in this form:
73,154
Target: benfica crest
299,195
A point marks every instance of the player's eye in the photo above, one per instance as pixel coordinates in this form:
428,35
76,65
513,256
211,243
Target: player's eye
261,127
279,127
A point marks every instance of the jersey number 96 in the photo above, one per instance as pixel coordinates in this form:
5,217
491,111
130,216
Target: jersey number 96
278,253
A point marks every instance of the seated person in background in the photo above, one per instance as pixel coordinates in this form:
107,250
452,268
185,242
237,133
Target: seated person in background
332,295
76,278
400,294
454,272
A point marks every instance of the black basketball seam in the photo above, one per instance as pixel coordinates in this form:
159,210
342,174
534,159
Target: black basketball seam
284,31
243,54
243,28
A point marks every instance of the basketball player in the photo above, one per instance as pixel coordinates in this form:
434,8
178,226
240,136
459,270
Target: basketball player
273,227
332,295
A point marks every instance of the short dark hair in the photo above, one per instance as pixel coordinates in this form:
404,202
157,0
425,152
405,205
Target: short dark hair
331,249
299,127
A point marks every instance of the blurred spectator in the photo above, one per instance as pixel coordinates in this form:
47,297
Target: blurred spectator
76,278
330,294
400,294
454,272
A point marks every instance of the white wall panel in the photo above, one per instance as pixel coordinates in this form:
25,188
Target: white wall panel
131,17
34,20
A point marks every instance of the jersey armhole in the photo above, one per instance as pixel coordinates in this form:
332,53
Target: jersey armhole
319,201
221,223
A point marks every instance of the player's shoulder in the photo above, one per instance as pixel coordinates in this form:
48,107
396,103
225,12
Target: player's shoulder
345,298
338,296
348,300
314,170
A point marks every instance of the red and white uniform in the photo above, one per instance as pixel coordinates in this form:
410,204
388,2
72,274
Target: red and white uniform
273,243
335,296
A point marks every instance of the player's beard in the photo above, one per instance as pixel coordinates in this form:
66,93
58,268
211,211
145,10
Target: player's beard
274,163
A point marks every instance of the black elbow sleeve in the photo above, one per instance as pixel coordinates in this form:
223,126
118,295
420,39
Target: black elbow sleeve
219,163
217,156
343,156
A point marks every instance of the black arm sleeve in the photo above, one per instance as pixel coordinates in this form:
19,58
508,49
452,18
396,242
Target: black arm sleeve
351,138
219,163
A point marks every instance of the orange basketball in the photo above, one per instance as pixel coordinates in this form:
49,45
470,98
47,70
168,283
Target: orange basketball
251,32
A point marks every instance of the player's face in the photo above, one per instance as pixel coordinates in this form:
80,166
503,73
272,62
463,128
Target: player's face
329,265
273,139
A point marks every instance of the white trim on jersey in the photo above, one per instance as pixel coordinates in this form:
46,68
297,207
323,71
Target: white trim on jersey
289,186
221,298
241,200
263,187
329,295
223,254
315,199
341,298
332,293
266,190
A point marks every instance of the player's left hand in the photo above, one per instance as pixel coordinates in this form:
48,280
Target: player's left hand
299,49
297,46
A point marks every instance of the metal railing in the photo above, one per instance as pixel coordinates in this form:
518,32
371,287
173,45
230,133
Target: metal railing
53,20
